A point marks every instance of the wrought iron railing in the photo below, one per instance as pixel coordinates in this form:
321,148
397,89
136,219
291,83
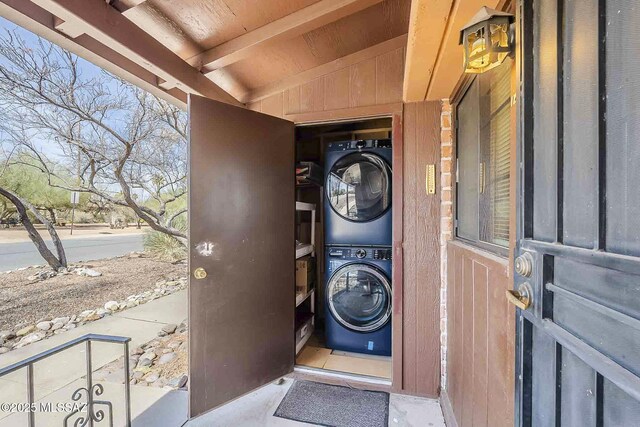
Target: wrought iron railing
94,409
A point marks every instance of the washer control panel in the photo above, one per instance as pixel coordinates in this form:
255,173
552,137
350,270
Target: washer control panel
360,253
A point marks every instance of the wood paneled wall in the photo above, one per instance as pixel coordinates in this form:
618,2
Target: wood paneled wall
481,339
420,326
372,81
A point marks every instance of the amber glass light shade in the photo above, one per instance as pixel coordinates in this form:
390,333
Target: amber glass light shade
486,41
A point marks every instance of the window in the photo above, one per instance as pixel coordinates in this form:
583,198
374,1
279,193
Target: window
484,149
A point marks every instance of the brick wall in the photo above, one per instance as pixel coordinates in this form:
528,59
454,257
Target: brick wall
446,223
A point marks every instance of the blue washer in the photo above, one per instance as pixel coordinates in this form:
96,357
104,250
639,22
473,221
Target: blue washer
358,299
358,181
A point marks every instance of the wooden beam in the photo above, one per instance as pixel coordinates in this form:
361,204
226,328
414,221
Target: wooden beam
106,25
295,24
448,66
124,5
321,70
369,111
427,25
71,29
154,22
41,22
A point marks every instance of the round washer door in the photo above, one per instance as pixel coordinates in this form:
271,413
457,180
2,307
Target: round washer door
359,187
359,297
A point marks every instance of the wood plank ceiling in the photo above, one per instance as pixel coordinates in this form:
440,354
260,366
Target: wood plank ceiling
215,48
245,45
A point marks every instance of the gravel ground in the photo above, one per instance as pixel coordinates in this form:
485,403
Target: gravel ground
65,295
154,372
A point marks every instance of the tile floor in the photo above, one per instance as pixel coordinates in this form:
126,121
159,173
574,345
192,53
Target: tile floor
315,354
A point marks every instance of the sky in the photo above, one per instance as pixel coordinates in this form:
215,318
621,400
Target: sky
87,70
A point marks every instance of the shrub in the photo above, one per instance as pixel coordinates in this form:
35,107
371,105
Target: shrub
164,246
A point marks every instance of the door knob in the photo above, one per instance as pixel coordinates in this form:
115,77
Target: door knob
199,273
524,264
522,297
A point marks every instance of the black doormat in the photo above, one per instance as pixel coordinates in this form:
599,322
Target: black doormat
334,406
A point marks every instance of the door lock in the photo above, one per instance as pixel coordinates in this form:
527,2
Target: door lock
522,297
199,273
524,264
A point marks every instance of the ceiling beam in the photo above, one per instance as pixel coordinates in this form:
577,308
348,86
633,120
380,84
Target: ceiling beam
448,66
154,22
124,5
107,26
427,25
321,70
295,24
41,22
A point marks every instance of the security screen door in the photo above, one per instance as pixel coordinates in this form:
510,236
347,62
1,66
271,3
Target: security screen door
579,214
241,239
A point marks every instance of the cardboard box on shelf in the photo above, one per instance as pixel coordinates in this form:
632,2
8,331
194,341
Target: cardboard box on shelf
305,274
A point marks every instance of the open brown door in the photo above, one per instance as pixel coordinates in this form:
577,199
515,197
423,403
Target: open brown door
241,208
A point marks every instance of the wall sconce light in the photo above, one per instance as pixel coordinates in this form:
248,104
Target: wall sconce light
486,40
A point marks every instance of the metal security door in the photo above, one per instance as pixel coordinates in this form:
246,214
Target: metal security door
242,259
578,244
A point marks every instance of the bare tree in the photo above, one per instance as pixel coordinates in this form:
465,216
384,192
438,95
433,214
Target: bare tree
111,136
22,206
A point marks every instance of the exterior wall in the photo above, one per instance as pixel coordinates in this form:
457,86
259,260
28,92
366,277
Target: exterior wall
370,82
421,252
446,223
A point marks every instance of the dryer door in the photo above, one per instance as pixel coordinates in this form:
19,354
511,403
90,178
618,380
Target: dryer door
359,187
359,297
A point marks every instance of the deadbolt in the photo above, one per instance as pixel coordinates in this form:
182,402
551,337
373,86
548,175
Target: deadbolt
199,273
524,264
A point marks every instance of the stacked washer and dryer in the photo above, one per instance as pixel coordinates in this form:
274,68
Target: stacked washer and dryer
358,241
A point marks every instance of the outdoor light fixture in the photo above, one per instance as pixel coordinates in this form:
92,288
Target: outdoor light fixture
486,40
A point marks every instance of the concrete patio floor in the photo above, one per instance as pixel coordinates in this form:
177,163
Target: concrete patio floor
256,410
59,376
150,407
56,377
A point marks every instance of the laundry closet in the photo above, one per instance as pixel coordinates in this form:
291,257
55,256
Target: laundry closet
364,312
343,286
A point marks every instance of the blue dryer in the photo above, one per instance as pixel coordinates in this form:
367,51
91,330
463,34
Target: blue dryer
358,193
358,299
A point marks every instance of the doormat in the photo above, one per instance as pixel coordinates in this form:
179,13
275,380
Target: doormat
334,406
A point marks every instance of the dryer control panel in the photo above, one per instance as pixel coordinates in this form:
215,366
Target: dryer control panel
382,254
359,144
360,253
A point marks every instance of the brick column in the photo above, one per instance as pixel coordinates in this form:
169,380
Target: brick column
446,224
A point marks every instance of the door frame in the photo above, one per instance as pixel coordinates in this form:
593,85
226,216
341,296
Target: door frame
524,163
395,112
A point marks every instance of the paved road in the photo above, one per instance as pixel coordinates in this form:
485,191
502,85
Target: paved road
23,254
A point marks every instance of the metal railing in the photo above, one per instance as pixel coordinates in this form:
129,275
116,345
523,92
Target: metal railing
91,390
